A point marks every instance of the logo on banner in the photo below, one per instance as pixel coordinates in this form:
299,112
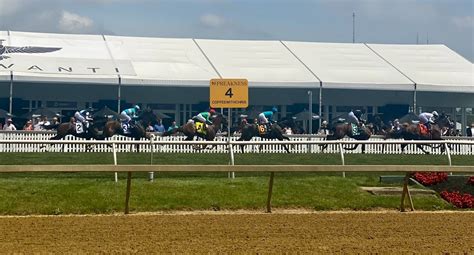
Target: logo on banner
5,50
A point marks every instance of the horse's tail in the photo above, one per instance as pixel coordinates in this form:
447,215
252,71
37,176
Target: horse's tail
49,127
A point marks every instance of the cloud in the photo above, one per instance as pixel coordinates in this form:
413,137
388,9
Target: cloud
74,23
463,22
212,20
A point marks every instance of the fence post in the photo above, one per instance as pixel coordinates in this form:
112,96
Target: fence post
152,150
270,190
232,162
114,150
127,194
448,152
341,150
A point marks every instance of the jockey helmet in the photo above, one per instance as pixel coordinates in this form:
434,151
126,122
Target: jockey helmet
274,109
435,113
136,107
212,111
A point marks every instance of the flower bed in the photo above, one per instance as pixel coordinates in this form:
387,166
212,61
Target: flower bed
470,181
459,200
430,178
454,189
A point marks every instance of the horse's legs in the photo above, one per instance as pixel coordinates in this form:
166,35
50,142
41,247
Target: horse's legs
420,146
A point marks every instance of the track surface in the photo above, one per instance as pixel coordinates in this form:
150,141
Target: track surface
326,232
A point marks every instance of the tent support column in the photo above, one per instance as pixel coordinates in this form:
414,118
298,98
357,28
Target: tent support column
320,103
414,100
310,106
119,93
10,106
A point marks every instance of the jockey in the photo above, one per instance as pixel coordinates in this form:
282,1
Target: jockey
204,117
84,116
354,117
267,117
396,125
427,118
128,114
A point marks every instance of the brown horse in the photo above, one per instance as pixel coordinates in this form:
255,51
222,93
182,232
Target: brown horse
136,131
251,130
209,132
69,128
342,130
410,131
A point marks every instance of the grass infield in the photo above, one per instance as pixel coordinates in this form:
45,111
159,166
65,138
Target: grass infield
83,193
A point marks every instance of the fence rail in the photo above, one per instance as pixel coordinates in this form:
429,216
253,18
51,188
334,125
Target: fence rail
160,144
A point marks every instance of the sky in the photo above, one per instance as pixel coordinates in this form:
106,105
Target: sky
449,22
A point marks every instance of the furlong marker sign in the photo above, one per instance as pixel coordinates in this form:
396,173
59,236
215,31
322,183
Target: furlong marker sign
229,93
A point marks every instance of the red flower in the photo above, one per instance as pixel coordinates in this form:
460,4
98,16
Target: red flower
430,178
461,201
470,180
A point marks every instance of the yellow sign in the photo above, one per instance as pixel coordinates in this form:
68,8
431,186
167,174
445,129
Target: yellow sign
229,93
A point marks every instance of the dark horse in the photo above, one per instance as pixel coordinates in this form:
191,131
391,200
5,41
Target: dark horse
411,131
190,131
274,132
69,128
340,130
136,130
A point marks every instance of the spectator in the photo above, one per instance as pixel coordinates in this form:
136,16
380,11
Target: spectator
9,126
159,127
149,128
28,126
470,131
173,126
37,124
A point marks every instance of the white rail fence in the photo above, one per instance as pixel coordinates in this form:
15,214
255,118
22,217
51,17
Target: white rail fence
305,144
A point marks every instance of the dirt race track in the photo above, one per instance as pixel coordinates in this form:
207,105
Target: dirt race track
238,232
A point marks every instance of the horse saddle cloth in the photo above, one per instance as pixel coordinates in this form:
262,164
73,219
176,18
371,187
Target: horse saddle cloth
126,127
423,129
355,129
79,128
262,129
201,127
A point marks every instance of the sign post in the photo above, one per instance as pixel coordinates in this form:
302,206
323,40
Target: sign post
229,93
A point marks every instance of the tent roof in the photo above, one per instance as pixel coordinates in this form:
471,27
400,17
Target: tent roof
269,64
348,65
432,67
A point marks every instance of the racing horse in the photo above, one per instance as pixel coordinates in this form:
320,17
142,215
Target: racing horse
415,131
194,128
252,130
136,130
341,129
72,128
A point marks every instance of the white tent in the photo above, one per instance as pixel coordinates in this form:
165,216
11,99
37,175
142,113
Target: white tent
432,67
344,65
263,63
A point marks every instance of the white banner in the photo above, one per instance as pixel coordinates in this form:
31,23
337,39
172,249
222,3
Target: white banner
76,66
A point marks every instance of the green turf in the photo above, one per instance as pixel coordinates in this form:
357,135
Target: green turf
221,158
66,193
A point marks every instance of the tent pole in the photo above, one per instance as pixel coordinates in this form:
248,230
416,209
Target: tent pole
119,93
320,103
310,127
414,100
10,107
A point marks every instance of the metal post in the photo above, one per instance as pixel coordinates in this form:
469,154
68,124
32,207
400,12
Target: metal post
114,149
119,93
229,123
152,149
321,103
10,108
341,150
353,27
310,106
414,100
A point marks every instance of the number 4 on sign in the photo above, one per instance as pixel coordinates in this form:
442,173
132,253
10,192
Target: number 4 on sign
229,93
